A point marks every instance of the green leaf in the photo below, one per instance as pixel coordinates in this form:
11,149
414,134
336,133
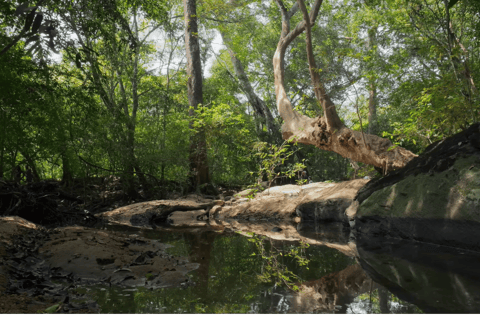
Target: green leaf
53,308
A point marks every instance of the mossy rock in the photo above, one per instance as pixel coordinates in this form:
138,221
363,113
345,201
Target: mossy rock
450,194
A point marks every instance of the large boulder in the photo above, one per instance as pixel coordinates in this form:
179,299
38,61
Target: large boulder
434,198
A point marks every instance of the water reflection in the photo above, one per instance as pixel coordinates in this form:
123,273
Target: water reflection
437,279
231,279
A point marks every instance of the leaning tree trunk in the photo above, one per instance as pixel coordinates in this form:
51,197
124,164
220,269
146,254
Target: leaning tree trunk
256,102
198,145
327,132
372,92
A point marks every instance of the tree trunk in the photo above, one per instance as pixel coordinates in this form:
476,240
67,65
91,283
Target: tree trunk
130,161
67,176
136,103
3,136
372,96
327,132
31,164
1,161
383,299
198,146
453,41
257,104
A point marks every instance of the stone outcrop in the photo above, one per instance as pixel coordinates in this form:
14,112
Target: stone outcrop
146,214
315,201
435,198
319,201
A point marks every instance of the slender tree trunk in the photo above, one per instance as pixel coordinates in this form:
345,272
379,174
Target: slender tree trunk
130,162
31,164
198,147
372,105
327,132
163,144
462,75
13,164
383,298
67,176
2,151
3,134
256,102
136,103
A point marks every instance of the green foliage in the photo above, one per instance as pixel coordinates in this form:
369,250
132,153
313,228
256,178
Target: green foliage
105,102
274,270
230,136
272,160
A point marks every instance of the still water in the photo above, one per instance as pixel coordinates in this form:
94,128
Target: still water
251,274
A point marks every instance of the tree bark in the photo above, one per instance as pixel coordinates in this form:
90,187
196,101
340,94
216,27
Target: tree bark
383,299
31,164
198,147
327,132
255,101
372,93
67,176
453,41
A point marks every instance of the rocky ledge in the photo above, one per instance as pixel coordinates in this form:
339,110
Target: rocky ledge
312,202
435,198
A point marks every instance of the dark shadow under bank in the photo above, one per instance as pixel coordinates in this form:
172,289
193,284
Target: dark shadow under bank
453,233
331,232
438,279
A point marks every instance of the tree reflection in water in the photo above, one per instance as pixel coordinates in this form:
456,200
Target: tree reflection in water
236,275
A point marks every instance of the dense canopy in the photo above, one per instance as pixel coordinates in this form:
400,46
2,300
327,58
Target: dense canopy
177,95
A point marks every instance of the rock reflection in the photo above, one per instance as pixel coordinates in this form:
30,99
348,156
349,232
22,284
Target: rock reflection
332,293
437,279
245,274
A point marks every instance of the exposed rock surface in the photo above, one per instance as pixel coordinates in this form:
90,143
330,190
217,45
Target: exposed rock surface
316,201
312,202
435,198
145,214
96,255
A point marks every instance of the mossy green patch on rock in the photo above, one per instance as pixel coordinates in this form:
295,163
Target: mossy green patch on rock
451,194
